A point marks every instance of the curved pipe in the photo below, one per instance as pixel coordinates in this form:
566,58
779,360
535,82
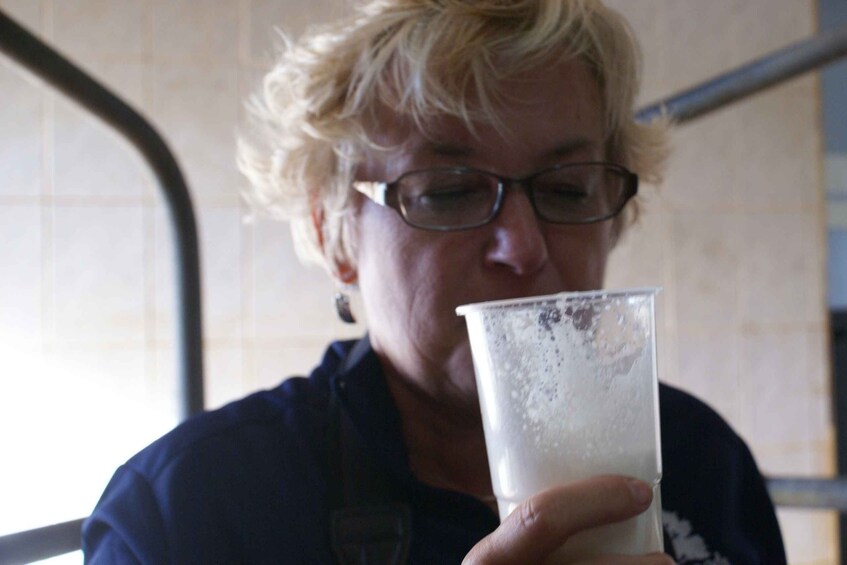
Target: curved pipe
40,543
29,51
748,79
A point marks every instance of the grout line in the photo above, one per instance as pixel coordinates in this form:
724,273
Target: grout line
150,198
149,294
48,209
247,244
248,302
244,55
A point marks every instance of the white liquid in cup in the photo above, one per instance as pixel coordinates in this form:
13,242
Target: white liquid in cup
568,390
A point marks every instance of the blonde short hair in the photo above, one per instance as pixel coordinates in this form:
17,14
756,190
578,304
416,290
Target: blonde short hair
421,58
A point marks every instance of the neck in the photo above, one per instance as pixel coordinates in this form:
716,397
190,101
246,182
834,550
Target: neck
444,439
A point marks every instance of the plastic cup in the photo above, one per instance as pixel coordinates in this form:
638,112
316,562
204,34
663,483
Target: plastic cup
568,390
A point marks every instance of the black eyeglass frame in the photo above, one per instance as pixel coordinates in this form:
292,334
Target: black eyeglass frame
384,193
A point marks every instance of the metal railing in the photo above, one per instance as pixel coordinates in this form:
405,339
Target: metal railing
40,543
751,78
23,47
803,492
20,45
27,50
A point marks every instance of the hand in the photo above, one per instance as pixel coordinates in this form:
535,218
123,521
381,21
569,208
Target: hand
543,523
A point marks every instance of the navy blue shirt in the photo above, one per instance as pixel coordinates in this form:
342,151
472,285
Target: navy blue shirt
252,482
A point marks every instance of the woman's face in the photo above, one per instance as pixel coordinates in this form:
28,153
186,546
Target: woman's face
412,280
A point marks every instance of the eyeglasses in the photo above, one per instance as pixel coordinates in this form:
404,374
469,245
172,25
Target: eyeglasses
462,198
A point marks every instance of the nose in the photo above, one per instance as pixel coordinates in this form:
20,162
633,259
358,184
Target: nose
519,244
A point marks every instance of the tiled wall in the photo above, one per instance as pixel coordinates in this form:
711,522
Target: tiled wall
735,236
832,15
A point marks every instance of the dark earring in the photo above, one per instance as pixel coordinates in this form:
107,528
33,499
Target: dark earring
342,308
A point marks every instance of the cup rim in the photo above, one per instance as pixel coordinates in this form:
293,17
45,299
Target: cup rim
583,295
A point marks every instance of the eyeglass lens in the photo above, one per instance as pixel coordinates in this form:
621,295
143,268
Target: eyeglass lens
457,198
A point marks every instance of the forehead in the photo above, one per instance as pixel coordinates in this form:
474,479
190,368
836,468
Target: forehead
538,115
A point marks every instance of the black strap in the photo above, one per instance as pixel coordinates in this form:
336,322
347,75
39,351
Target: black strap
369,524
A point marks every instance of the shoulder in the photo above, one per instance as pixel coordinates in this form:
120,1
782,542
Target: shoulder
686,420
224,481
243,425
283,418
716,505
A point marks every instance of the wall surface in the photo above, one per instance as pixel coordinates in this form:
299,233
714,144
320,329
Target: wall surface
832,14
736,236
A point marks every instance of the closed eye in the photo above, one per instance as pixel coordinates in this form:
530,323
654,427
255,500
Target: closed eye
451,197
563,192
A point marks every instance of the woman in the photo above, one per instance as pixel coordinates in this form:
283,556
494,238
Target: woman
433,153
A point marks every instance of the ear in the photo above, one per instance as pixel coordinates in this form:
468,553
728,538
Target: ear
346,274
341,270
318,225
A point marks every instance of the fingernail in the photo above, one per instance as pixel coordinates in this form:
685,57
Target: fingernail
641,491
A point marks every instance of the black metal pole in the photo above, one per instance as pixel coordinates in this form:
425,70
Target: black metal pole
29,51
779,66
808,492
40,543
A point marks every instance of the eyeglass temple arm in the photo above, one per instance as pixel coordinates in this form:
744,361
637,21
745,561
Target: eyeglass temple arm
374,190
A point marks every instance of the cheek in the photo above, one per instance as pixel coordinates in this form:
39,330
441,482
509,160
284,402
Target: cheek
580,254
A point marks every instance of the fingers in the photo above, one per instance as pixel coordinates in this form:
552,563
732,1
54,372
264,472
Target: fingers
649,559
544,522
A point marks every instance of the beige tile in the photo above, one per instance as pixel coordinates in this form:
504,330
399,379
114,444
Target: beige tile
641,256
125,78
280,359
709,369
702,171
27,13
186,30
269,17
91,159
99,28
220,241
645,17
781,273
809,535
21,281
164,388
821,418
99,274
164,280
219,232
784,174
819,366
796,460
706,260
21,124
118,369
700,41
782,23
776,396
290,300
667,345
224,375
196,109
